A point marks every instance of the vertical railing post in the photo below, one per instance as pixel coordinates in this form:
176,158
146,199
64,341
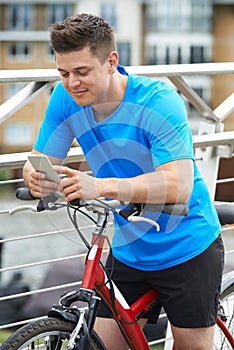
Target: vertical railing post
208,157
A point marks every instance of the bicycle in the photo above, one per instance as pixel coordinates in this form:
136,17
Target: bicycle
70,327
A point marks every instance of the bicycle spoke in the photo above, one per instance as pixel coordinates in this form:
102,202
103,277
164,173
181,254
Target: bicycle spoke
221,342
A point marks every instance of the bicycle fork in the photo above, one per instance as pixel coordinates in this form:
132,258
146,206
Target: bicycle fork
80,337
84,318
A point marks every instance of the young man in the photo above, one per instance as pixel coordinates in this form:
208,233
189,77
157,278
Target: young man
134,133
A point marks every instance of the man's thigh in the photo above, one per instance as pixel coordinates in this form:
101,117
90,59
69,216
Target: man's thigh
189,292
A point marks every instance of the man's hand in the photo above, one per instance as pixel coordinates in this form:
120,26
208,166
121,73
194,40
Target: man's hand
39,186
77,184
36,181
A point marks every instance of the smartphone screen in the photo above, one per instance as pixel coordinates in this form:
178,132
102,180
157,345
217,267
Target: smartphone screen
43,164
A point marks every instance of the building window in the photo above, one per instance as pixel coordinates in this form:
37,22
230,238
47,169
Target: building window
108,13
124,50
20,51
165,54
17,134
179,55
165,15
197,54
50,53
20,17
57,13
201,16
179,15
168,54
11,89
153,58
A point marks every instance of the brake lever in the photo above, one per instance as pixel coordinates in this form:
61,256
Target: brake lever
134,218
134,215
22,208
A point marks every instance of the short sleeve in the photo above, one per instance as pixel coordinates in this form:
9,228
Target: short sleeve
55,135
168,129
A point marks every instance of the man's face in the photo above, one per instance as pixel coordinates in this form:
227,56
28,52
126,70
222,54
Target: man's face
84,77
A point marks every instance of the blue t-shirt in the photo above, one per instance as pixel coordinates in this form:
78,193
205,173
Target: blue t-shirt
147,129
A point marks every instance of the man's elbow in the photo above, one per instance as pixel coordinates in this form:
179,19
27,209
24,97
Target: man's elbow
180,192
185,191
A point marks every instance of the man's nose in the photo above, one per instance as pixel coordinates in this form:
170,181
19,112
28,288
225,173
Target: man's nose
73,80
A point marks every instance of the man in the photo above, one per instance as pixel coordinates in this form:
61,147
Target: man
135,137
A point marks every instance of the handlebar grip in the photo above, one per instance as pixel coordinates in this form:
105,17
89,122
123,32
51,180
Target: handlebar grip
174,209
24,194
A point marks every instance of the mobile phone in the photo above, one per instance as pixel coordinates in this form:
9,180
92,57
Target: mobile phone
43,164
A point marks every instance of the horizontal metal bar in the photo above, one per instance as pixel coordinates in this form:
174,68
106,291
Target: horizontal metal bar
224,181
183,69
149,70
30,2
39,291
25,35
214,140
13,181
19,323
39,263
17,160
25,75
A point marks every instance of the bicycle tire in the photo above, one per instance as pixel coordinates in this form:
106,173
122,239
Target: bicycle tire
227,302
33,336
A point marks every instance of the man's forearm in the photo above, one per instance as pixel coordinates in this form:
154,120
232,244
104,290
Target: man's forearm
172,184
148,188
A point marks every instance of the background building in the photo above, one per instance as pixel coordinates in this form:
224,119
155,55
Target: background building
24,44
147,31
223,51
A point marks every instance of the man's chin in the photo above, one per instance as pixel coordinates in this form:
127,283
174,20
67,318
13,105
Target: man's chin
81,101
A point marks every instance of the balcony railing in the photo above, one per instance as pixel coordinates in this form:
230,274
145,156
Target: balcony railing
210,144
40,79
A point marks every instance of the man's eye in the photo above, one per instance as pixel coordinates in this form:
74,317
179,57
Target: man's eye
63,73
83,74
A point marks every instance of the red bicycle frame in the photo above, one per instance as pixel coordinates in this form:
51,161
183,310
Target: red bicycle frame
222,326
95,277
126,316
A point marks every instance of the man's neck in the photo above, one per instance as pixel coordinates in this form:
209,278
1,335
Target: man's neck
115,97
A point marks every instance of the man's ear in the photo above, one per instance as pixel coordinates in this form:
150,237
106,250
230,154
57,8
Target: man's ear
113,61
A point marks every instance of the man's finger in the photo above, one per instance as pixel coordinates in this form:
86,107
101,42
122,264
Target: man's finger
64,170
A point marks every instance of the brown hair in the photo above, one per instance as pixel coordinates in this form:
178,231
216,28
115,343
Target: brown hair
81,30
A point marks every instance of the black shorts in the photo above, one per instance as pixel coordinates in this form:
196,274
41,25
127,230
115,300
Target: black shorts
189,292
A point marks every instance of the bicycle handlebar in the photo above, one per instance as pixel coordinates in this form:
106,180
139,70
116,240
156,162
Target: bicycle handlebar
225,210
178,209
132,212
135,209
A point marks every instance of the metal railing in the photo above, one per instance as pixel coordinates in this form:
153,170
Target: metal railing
40,79
210,144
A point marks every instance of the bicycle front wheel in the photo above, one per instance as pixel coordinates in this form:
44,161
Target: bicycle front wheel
46,334
227,303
